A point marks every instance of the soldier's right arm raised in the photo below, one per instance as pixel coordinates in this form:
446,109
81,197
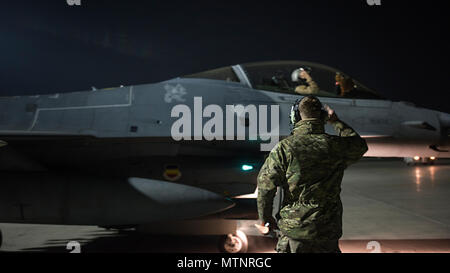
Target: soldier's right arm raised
351,145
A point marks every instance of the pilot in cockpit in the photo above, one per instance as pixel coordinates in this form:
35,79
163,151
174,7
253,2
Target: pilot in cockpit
307,85
345,87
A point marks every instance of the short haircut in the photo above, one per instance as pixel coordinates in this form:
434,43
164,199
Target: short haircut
310,107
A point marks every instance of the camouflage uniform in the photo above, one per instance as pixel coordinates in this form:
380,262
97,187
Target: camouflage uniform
310,89
309,166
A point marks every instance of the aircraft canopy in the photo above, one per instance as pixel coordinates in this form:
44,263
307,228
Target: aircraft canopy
276,76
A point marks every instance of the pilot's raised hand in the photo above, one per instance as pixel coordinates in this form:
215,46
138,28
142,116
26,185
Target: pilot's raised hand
305,75
332,117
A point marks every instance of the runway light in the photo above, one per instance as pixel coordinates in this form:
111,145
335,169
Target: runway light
246,167
416,158
432,158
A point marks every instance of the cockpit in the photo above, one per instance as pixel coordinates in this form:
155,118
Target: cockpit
276,77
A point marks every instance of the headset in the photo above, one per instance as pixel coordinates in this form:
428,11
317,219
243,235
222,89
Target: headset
295,112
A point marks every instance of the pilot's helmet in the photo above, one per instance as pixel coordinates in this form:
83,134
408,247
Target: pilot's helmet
341,76
345,82
295,76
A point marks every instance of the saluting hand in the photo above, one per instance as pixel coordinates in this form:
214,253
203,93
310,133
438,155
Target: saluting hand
332,117
304,75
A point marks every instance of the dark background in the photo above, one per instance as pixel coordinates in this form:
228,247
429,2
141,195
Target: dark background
399,49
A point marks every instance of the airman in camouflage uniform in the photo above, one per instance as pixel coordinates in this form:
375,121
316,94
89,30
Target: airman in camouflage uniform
309,166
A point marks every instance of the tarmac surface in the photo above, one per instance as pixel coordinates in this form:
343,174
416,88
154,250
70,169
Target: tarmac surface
402,208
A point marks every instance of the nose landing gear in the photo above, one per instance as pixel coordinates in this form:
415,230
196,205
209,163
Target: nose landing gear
234,243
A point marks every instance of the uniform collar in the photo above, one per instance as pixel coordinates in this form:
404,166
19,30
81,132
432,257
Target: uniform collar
309,126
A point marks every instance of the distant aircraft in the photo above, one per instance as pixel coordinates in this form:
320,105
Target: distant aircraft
108,157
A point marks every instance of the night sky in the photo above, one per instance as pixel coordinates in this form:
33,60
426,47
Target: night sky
400,50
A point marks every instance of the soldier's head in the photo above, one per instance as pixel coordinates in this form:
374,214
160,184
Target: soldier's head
310,107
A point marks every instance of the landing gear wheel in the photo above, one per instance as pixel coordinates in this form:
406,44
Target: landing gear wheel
234,243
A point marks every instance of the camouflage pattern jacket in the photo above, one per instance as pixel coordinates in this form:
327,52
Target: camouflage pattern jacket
309,166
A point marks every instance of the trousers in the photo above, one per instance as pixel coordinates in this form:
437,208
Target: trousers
288,245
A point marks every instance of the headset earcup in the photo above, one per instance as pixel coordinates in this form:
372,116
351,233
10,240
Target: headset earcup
295,112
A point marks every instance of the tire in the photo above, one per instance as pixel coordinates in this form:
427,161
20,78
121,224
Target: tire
234,243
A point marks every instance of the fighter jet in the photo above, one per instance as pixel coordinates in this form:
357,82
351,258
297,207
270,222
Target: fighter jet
148,154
